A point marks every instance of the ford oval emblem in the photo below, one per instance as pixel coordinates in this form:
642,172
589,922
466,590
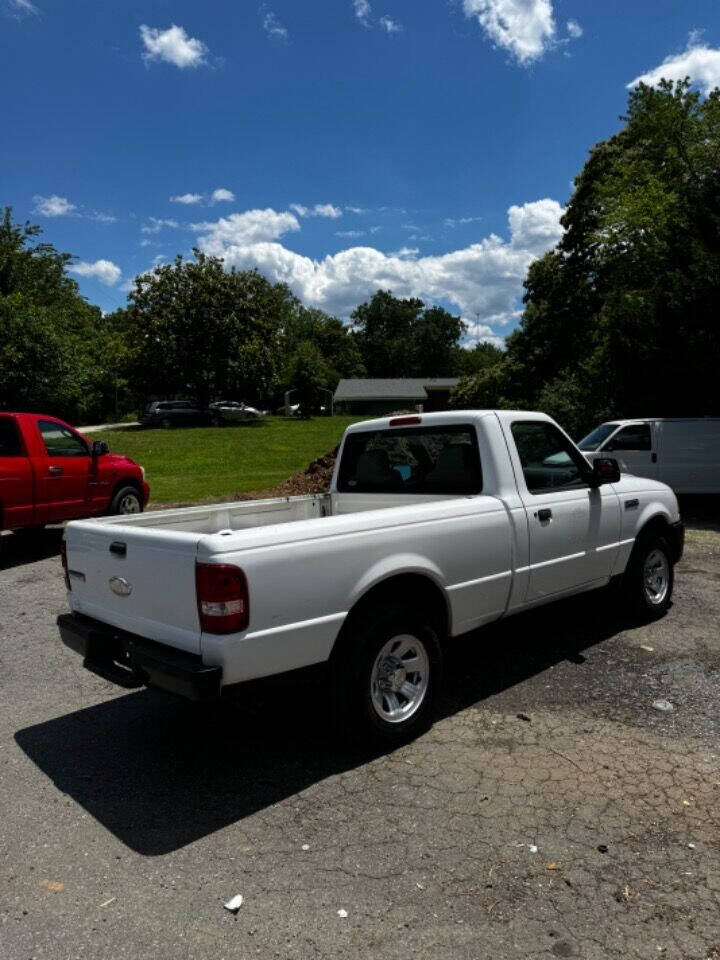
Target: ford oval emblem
120,586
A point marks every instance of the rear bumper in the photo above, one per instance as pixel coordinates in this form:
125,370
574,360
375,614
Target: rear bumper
131,661
677,540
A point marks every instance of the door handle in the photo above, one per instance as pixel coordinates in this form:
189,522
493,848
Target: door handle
544,514
653,457
55,471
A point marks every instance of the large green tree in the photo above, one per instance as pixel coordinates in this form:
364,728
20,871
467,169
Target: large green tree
622,318
197,330
57,352
404,338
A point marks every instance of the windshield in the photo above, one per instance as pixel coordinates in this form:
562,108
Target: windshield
593,440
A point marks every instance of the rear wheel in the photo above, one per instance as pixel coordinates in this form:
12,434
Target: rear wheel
126,501
386,676
649,579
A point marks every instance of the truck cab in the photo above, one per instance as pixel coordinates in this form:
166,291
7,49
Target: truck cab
50,473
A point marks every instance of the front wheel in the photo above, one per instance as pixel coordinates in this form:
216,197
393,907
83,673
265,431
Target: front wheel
649,578
126,501
386,676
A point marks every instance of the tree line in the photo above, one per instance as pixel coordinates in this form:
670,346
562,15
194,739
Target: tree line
192,329
621,318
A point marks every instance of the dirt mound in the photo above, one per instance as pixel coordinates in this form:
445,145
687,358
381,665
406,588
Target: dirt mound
315,478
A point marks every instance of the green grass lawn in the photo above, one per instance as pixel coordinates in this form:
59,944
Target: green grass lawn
200,463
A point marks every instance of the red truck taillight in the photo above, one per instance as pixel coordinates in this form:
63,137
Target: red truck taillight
63,557
222,598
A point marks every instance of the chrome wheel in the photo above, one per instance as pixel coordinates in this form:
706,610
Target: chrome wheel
656,577
399,678
130,503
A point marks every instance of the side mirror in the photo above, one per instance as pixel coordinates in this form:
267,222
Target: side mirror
605,470
99,447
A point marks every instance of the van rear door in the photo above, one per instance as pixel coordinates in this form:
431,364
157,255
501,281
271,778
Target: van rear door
689,458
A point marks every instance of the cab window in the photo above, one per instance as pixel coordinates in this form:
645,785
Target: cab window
61,442
10,445
548,459
419,460
635,437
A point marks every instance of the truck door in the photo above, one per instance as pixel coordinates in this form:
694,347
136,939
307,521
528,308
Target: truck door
17,497
63,474
573,528
634,449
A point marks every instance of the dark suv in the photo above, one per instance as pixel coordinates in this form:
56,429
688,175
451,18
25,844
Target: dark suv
173,413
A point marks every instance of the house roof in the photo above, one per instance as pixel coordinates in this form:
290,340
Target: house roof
400,388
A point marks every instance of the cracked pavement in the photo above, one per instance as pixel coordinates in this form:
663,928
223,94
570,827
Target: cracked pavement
551,811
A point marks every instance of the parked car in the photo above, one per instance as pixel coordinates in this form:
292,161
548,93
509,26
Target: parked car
49,472
682,452
434,525
173,413
231,411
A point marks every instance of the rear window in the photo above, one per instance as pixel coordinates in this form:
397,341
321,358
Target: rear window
421,460
10,445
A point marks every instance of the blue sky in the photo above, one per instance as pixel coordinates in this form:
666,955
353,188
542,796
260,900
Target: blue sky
426,146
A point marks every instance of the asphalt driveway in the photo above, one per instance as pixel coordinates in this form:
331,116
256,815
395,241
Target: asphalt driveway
552,811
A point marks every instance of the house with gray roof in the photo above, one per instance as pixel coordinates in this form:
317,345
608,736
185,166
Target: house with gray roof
376,397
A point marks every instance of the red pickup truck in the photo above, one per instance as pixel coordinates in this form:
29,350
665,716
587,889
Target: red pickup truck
49,472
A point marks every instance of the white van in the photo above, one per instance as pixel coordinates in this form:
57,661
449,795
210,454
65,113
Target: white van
684,453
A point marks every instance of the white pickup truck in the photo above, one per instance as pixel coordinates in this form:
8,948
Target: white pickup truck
434,525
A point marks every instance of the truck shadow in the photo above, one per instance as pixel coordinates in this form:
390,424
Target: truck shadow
160,773
23,547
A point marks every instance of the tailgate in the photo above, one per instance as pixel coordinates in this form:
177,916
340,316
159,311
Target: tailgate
139,580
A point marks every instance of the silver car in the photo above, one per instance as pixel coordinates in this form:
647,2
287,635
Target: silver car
231,411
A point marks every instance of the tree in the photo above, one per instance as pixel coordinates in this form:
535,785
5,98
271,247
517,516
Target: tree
470,361
56,352
334,340
621,318
199,331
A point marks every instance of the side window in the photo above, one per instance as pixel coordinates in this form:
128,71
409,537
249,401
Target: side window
634,437
10,445
61,442
420,460
549,462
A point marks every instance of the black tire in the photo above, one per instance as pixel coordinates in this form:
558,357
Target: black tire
166,424
121,501
353,668
216,421
644,600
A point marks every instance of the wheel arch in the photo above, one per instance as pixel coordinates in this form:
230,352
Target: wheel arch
418,588
125,482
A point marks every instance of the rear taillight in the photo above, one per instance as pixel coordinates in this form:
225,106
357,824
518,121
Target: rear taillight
222,598
63,557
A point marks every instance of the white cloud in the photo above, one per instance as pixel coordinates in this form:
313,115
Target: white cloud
574,29
53,206
187,198
273,28
350,234
245,229
24,7
102,217
389,25
481,333
356,209
105,271
700,63
405,253
484,278
525,28
319,210
173,46
460,221
362,11
222,195
155,225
